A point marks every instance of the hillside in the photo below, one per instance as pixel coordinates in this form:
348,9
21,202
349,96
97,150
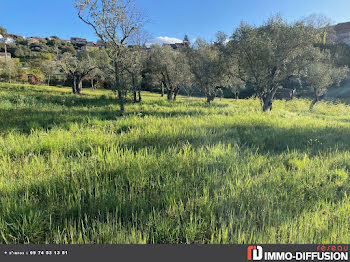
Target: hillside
28,49
73,171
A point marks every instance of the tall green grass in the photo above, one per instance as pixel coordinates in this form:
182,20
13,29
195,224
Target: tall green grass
73,171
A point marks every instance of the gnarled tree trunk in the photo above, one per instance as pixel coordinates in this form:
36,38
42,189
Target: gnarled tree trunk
170,95
74,87
211,94
134,89
118,88
139,92
316,99
79,88
175,93
267,100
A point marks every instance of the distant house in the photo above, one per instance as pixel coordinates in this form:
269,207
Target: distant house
90,47
34,40
77,40
100,44
3,55
7,40
175,46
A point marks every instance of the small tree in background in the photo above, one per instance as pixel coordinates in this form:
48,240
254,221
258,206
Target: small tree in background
229,66
11,68
49,68
207,67
136,56
36,76
171,68
321,74
96,77
134,67
79,67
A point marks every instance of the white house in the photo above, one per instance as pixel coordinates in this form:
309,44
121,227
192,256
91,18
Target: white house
7,40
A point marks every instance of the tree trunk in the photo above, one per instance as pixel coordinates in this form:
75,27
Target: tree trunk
170,95
74,87
162,89
267,104
120,93
80,86
92,83
48,80
175,94
316,99
134,89
140,98
135,95
267,100
210,99
211,96
121,101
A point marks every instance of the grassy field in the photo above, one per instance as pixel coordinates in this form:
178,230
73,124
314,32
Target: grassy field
73,171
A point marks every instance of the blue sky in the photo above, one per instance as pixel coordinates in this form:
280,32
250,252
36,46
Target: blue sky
169,19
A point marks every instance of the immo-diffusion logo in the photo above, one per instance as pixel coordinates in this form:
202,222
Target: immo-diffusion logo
255,253
332,253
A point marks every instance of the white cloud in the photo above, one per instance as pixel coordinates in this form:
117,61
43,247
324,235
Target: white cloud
165,40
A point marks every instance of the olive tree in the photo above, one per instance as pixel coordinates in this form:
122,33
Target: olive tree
207,67
114,22
321,74
229,66
269,54
171,68
49,68
79,67
136,56
134,67
96,77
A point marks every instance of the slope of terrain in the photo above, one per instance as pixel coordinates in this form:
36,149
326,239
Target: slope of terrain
73,171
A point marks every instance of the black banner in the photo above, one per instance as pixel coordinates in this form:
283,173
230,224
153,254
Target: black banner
154,253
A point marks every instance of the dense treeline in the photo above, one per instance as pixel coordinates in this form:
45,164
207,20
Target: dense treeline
253,61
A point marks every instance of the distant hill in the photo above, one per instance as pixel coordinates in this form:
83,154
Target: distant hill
32,48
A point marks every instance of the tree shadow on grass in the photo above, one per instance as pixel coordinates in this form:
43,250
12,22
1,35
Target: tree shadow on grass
262,137
26,120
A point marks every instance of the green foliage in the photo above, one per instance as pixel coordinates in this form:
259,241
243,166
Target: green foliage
9,69
37,72
3,31
72,171
268,55
170,68
79,67
321,73
207,66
